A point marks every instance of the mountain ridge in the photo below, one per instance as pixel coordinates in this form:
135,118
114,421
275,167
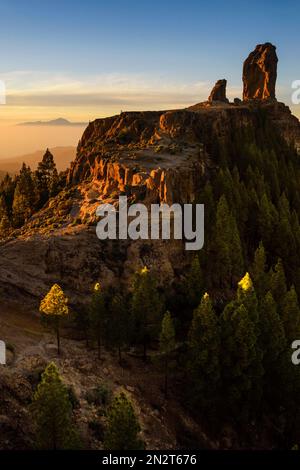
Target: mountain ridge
53,122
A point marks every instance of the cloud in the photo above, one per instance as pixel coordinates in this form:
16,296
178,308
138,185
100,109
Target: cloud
35,88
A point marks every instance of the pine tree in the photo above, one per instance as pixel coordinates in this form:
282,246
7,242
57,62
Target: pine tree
52,412
24,197
122,426
242,368
194,283
7,189
236,252
224,185
273,345
204,354
221,249
291,315
267,218
5,224
284,240
278,283
98,316
146,307
259,271
273,339
241,365
226,248
246,295
54,307
46,178
167,343
3,206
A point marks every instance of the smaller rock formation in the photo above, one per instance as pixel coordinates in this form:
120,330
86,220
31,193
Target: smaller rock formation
218,92
237,101
260,73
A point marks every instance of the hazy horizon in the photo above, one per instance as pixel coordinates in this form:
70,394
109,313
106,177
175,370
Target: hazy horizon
18,140
104,59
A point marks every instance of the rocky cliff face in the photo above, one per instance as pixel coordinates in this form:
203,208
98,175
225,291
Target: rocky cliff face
151,156
260,73
164,156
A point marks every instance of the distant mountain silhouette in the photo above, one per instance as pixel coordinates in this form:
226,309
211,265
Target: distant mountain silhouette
53,122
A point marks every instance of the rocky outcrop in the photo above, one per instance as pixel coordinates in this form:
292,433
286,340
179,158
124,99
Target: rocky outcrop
156,157
218,92
260,73
284,121
165,156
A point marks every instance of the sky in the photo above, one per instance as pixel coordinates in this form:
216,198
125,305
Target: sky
87,59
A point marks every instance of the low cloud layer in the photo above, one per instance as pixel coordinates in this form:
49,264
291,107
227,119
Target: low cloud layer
112,90
36,94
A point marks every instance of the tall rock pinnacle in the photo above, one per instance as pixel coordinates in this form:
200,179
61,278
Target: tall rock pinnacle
260,73
218,92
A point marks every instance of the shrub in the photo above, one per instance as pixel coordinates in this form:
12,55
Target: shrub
100,395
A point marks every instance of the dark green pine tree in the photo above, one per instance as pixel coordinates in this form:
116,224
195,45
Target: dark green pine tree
291,315
24,197
259,271
273,340
122,426
167,343
284,240
5,225
267,219
246,295
194,283
7,189
3,206
146,308
278,283
52,413
278,377
203,363
46,179
242,368
290,373
226,249
224,185
222,264
236,252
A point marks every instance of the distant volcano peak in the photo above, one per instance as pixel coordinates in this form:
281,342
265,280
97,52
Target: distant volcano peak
53,122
